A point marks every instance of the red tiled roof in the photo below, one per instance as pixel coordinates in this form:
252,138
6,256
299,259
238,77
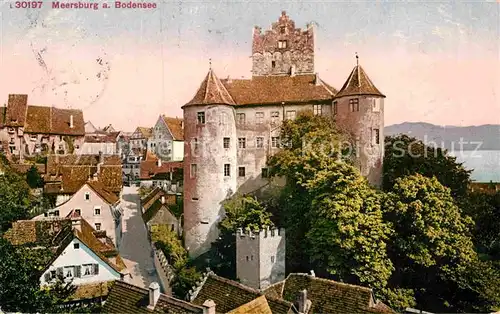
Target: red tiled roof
145,132
50,120
175,125
211,91
150,168
358,83
16,110
278,89
100,189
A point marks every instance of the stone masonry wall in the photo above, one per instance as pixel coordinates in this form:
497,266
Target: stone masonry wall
276,50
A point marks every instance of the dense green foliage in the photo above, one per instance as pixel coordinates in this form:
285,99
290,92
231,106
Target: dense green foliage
185,275
15,199
33,178
405,155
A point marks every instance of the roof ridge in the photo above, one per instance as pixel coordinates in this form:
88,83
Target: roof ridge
358,287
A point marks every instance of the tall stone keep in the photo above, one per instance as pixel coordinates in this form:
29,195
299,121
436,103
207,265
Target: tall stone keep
359,110
260,257
209,162
283,49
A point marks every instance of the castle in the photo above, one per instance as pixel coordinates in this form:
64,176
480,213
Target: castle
233,125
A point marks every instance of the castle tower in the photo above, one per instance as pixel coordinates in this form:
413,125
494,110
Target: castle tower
209,162
260,257
283,49
359,110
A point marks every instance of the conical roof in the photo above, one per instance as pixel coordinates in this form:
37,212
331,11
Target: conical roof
211,91
358,84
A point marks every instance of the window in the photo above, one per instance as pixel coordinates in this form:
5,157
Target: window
226,142
282,44
87,196
259,142
195,144
354,104
251,257
76,246
275,142
242,142
194,170
241,118
272,259
78,212
201,117
376,105
265,172
273,64
290,115
248,258
317,110
275,116
69,272
223,118
259,117
98,226
227,170
376,136
282,29
334,108
194,198
97,211
90,269
241,171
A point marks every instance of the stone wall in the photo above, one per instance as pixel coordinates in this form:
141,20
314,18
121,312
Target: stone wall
164,270
205,191
361,124
260,257
276,50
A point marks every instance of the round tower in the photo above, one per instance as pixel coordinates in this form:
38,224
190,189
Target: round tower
359,110
209,162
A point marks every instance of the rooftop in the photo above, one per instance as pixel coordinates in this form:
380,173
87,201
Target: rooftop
127,298
176,127
359,84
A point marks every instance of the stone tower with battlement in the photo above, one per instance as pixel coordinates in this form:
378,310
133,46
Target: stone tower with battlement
283,49
260,257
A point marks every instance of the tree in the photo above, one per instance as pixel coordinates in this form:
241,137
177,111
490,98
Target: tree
332,215
406,155
20,283
240,212
33,178
431,244
15,199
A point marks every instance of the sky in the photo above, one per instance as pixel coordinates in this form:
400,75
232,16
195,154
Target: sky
437,62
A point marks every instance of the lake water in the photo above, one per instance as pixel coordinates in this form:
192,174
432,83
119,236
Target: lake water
485,165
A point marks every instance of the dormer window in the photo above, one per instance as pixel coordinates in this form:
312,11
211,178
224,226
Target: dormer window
282,44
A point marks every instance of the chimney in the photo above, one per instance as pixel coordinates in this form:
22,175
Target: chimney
71,121
292,70
304,304
163,199
154,295
209,307
317,80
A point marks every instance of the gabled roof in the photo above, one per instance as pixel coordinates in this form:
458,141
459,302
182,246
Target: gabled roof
328,296
155,207
127,298
103,192
144,132
358,83
258,305
229,295
152,196
50,120
149,168
210,92
175,126
277,89
16,110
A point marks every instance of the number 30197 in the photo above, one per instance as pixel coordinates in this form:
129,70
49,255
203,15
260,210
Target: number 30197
29,4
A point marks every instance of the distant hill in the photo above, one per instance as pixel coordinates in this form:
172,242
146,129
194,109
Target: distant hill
449,136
